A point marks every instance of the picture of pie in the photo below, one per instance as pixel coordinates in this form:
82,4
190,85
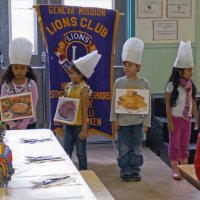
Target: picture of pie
19,108
132,101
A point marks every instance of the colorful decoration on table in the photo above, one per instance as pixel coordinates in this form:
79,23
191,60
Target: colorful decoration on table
6,167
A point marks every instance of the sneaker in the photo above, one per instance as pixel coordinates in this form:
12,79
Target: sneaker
136,177
176,176
125,177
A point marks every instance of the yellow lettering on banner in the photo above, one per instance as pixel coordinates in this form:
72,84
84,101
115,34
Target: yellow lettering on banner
104,32
66,22
97,28
83,22
95,121
90,112
60,10
90,103
70,10
55,94
51,32
89,25
101,95
60,24
92,11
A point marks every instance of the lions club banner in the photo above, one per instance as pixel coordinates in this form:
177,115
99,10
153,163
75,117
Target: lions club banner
69,33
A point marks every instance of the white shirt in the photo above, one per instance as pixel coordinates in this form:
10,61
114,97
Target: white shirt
177,111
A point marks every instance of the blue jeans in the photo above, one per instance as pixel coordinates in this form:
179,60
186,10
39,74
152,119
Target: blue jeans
130,149
71,137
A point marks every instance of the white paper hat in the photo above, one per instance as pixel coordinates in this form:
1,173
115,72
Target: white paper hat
87,63
184,57
132,50
20,51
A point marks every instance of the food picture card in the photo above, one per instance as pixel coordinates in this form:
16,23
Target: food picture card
132,101
18,106
66,111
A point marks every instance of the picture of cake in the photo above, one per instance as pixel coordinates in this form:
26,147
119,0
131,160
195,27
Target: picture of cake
132,101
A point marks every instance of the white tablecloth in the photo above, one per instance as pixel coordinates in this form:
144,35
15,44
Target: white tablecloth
21,187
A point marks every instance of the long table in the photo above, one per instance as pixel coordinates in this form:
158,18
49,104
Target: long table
21,185
188,173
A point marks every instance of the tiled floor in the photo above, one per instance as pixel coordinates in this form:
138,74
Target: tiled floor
156,183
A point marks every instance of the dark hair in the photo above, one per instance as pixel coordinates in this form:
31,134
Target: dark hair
175,79
73,66
8,75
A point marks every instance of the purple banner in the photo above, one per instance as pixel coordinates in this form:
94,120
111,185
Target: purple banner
69,33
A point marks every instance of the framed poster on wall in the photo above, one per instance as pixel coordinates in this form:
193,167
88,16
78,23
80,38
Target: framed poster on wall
165,30
179,9
149,9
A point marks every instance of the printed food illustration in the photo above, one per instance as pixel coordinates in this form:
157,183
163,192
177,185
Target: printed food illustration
19,108
132,100
67,110
16,107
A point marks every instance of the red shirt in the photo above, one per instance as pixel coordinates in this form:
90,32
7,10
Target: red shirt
197,158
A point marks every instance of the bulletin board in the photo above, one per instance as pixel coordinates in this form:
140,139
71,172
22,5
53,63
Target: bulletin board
165,20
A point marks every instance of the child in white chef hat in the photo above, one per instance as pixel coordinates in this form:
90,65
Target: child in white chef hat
180,105
79,71
130,127
19,78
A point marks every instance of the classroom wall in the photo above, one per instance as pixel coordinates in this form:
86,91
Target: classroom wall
157,63
158,57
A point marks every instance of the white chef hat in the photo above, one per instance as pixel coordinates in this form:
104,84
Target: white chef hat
87,63
184,57
132,50
20,51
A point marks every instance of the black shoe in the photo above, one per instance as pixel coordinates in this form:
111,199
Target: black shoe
136,177
125,177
